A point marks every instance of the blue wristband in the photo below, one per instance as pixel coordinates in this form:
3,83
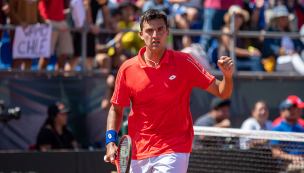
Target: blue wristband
111,136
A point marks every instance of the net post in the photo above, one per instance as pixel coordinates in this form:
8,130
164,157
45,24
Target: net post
232,41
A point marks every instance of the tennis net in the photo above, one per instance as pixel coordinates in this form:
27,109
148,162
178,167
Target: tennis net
218,150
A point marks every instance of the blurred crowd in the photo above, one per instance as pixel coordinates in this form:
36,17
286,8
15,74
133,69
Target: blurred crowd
109,51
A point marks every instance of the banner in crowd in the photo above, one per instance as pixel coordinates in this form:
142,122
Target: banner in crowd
33,41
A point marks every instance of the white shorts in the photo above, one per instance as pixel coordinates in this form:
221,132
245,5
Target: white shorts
169,163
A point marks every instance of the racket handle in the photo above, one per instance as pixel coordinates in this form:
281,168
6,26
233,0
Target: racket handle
117,166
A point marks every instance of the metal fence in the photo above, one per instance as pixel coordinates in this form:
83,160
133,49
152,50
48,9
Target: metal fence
233,34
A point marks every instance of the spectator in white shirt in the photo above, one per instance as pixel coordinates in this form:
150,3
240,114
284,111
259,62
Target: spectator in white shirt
258,121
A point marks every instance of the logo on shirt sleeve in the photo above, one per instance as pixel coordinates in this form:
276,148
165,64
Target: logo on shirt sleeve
172,77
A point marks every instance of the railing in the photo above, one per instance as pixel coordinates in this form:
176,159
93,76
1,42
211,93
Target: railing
233,34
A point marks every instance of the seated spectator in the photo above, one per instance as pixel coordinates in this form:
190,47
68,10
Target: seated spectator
156,4
258,121
24,13
247,57
295,7
218,116
285,50
214,12
289,153
52,12
296,101
180,21
54,134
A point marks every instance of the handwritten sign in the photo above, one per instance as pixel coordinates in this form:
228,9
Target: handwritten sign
33,41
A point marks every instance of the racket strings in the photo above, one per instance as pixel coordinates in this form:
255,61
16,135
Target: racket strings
124,155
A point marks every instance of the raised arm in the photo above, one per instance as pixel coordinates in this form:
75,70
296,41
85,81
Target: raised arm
223,89
113,123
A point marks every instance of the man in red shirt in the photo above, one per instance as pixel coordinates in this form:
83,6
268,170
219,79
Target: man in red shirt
159,82
296,101
52,12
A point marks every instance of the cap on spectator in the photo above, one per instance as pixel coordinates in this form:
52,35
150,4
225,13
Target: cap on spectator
114,10
126,3
280,11
236,9
286,104
296,101
218,102
56,108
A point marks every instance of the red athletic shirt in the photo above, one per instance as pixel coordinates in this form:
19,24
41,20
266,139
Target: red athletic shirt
160,120
222,4
278,121
52,9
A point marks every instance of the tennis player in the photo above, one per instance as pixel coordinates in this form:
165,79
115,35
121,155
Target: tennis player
158,82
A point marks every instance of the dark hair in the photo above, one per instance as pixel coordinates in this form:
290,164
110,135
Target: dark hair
151,15
221,105
260,101
50,121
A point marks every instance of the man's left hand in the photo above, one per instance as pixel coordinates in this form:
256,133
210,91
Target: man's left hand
226,66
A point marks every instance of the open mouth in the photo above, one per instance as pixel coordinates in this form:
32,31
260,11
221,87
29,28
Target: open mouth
155,43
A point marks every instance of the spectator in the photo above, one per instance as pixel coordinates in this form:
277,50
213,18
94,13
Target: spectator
285,49
91,7
296,101
258,121
213,17
54,134
257,21
24,13
296,7
180,22
291,153
195,8
131,42
247,57
52,12
218,116
156,4
122,47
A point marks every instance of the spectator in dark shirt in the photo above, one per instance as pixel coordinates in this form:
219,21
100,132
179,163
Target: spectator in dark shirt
218,116
54,134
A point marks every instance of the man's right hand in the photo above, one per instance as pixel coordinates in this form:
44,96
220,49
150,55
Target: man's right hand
111,149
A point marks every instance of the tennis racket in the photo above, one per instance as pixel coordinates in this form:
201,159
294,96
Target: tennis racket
123,155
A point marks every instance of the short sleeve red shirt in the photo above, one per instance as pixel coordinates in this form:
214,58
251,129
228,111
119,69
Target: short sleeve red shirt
160,120
52,10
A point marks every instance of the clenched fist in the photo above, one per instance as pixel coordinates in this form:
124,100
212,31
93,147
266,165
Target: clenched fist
226,66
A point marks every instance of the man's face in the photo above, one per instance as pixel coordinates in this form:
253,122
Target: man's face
291,114
154,34
261,112
127,12
222,113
